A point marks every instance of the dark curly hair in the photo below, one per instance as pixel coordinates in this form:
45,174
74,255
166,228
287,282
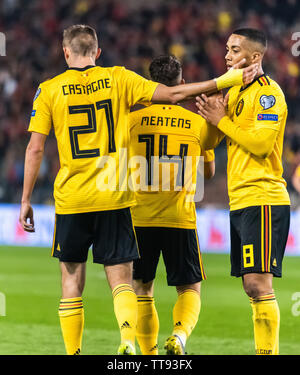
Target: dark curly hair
165,69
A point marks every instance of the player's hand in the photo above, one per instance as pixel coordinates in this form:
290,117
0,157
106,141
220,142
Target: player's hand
240,64
26,213
250,73
212,109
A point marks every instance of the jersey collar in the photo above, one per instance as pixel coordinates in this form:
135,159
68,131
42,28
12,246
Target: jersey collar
82,69
256,79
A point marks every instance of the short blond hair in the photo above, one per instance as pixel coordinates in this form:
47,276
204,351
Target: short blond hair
81,39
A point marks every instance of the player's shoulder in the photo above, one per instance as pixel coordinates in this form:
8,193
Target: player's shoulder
45,86
118,70
50,81
187,113
265,83
53,82
268,92
137,114
159,110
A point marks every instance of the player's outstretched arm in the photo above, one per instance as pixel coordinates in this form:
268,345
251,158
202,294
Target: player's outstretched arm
179,93
33,159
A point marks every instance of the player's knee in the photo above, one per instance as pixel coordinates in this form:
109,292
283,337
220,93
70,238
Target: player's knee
251,289
254,288
256,285
72,287
143,289
183,288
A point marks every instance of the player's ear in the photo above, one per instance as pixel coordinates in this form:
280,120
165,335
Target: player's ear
256,57
66,53
98,53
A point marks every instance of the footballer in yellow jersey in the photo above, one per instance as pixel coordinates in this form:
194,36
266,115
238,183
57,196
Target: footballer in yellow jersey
87,106
165,219
88,109
254,125
256,179
174,132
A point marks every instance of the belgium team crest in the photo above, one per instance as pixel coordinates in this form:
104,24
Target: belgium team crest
239,107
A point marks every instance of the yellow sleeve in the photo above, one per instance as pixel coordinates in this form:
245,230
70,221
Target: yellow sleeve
269,108
259,142
297,171
135,88
209,155
210,136
41,120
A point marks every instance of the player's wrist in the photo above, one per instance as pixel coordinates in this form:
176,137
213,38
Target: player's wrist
233,77
25,201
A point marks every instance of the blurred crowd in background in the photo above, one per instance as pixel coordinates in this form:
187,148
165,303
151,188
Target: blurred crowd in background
130,34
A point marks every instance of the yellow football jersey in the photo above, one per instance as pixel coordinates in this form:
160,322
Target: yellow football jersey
252,180
169,138
88,109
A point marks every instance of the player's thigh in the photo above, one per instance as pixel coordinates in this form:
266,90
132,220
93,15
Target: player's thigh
235,242
72,237
263,239
279,230
182,256
149,245
254,227
114,238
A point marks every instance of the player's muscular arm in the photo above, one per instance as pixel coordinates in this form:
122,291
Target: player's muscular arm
33,159
179,93
209,169
210,136
259,142
209,163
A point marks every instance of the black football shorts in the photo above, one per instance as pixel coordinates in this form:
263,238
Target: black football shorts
258,239
180,251
110,233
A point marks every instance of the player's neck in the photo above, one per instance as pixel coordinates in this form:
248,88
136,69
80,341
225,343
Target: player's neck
81,62
260,72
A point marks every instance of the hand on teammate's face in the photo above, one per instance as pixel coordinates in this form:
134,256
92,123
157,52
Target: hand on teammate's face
249,72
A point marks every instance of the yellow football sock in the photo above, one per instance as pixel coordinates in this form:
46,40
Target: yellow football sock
125,307
71,316
266,320
147,325
185,313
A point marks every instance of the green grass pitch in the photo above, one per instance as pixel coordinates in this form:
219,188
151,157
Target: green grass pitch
30,281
